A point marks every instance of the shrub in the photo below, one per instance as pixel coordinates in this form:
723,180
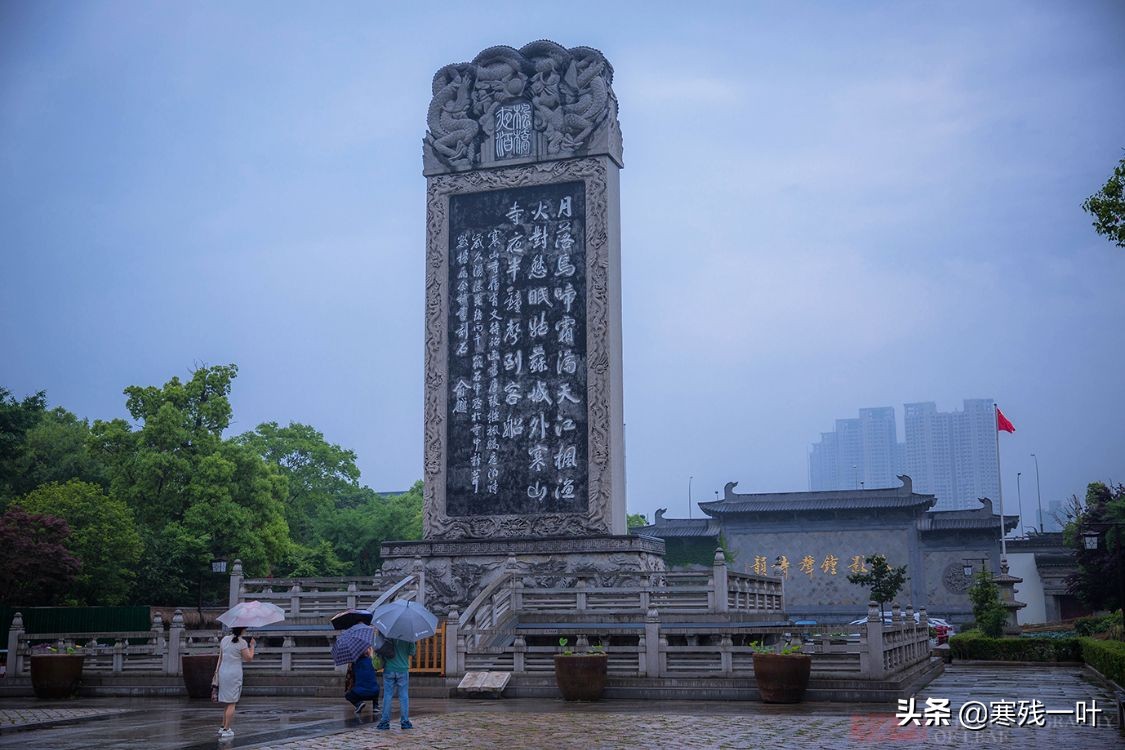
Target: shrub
1095,624
974,644
1108,657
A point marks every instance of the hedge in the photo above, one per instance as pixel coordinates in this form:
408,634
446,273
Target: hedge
976,645
1108,657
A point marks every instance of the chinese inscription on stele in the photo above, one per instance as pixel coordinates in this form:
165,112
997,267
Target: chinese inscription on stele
512,136
517,412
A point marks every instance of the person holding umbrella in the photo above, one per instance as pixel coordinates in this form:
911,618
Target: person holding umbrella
227,682
396,678
400,623
353,647
226,685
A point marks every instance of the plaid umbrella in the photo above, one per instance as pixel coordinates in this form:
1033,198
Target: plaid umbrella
253,614
351,644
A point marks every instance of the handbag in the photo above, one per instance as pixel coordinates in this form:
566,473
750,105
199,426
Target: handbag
214,693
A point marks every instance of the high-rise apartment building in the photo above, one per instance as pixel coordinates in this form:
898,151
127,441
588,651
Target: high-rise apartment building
861,452
948,454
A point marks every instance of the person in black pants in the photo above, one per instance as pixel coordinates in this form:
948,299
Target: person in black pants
366,687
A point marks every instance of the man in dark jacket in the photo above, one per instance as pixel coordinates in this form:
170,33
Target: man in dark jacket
366,687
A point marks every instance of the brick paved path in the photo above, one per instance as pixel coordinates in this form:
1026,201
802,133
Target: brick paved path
31,716
505,724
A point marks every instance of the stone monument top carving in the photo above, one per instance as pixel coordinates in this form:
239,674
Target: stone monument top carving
541,102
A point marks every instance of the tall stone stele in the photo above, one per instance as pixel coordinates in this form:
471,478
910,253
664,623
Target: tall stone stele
524,433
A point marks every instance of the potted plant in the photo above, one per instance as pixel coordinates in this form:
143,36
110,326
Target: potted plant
198,670
782,673
56,674
581,677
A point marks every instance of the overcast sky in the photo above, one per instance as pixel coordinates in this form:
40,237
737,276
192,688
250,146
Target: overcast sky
825,206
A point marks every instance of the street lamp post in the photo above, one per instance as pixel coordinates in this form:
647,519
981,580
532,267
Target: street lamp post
1038,496
1019,500
689,496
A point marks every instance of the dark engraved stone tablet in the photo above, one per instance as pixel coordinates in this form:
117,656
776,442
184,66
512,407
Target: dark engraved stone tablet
516,410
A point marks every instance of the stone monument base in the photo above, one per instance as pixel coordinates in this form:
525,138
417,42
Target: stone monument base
456,570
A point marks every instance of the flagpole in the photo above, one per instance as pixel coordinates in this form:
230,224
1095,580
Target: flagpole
999,482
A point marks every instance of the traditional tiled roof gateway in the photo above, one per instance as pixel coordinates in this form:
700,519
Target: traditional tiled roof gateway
687,528
966,520
788,502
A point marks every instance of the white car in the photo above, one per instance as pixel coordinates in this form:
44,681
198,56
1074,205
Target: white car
934,622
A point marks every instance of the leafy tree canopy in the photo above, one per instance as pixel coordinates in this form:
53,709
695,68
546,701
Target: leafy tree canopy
356,533
636,520
103,535
16,418
322,476
1107,206
36,566
1099,569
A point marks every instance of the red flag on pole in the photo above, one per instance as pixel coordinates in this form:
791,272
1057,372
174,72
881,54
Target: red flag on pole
1002,423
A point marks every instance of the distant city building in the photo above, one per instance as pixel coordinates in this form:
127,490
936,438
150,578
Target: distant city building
860,453
950,455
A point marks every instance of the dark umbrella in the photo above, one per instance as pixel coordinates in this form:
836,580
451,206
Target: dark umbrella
349,617
351,644
405,620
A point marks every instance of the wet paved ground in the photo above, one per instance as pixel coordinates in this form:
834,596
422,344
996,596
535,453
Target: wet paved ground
505,724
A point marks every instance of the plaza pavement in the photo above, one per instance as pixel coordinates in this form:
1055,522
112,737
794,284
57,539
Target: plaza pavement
506,724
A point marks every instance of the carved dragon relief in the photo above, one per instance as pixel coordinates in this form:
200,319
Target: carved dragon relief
597,519
570,92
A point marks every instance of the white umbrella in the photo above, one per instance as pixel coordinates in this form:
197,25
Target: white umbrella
253,614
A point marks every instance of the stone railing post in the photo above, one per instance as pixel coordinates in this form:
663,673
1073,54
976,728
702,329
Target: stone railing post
726,658
420,580
519,650
294,600
871,658
719,594
517,594
15,656
159,643
896,614
452,636
173,664
235,584
652,644
118,656
352,598
287,645
580,595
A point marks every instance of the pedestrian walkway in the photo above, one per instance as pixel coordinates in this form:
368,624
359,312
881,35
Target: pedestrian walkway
503,724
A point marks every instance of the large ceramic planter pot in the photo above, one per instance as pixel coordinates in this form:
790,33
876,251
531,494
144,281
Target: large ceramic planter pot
56,676
581,677
198,671
782,678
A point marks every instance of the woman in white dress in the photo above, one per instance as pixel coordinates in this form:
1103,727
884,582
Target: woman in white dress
233,650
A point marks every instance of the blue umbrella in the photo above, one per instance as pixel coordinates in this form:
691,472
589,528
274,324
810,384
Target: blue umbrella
351,644
405,620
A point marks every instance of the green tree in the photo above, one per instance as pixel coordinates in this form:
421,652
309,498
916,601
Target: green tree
196,495
103,536
36,566
988,612
884,581
636,520
357,533
1107,206
322,476
57,449
1099,569
16,418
